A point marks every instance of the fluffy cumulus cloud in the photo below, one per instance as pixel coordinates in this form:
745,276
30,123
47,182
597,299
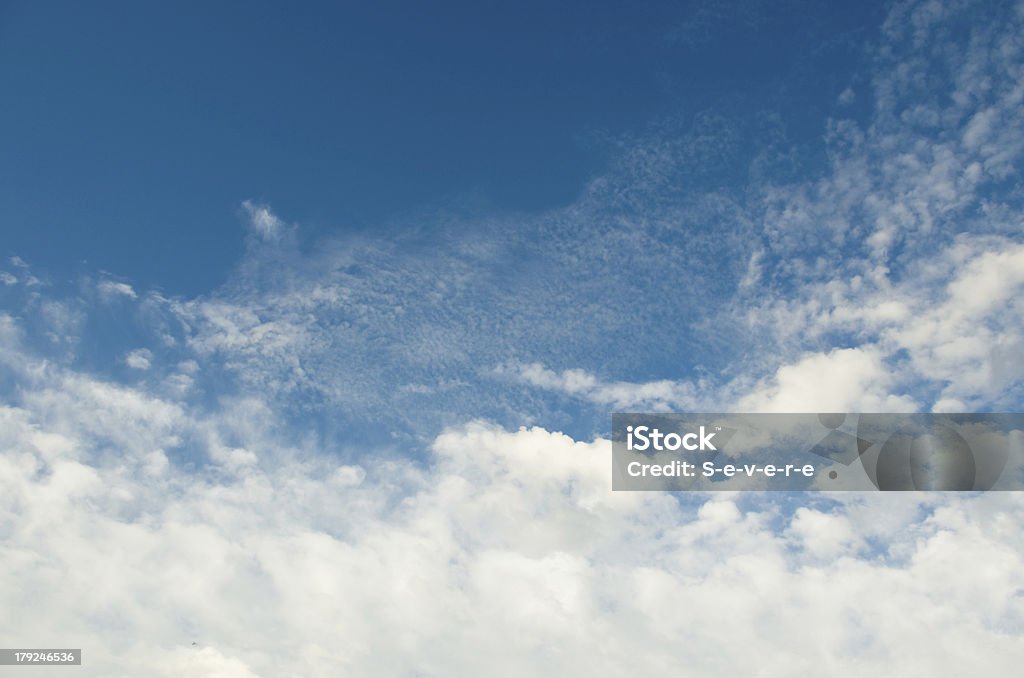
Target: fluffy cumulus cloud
843,380
202,505
503,553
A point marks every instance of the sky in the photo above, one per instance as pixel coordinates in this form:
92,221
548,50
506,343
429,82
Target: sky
312,320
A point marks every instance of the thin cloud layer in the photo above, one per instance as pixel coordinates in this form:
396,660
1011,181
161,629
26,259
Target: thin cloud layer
666,292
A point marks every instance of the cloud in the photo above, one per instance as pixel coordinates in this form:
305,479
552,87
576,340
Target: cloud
61,322
689,274
661,395
205,661
264,223
909,244
972,338
139,359
503,549
24,274
110,289
226,499
842,380
949,326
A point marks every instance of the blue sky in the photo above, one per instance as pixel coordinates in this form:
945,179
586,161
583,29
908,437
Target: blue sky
150,120
316,317
627,136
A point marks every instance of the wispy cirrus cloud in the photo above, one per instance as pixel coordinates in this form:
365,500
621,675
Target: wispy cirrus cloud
262,221
668,283
663,267
661,395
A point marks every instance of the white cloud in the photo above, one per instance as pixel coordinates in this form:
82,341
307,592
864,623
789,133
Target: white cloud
139,359
660,395
972,337
842,380
954,319
754,271
60,321
262,221
137,522
857,256
24,274
824,535
506,554
201,662
110,289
